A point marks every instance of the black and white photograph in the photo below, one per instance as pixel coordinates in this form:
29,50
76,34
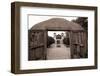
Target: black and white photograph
57,37
53,37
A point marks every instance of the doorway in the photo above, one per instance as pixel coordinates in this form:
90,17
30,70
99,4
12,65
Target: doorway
58,45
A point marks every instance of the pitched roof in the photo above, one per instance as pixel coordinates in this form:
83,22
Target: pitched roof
57,24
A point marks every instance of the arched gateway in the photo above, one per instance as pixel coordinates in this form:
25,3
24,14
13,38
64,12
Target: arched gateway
38,38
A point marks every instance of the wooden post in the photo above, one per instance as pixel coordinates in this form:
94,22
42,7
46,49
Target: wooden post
71,46
45,43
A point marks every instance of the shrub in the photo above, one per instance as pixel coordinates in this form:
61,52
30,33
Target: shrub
50,40
66,41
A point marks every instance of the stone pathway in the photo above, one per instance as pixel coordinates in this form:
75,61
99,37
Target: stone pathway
55,52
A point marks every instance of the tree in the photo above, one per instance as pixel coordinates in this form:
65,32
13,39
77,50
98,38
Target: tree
50,40
83,21
66,41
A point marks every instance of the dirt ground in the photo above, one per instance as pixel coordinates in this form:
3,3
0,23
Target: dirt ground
55,52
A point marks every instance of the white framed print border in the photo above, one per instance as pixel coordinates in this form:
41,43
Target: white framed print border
78,23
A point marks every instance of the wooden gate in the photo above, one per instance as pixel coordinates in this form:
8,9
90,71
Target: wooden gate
78,44
36,45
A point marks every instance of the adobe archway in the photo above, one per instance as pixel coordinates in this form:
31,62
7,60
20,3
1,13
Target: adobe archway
38,36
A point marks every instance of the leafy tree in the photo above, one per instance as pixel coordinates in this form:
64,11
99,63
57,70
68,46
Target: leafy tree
83,21
66,41
50,40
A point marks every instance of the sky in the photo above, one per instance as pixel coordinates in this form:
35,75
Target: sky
51,33
34,19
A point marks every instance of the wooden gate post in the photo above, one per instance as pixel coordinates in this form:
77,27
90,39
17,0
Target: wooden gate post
71,46
45,44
